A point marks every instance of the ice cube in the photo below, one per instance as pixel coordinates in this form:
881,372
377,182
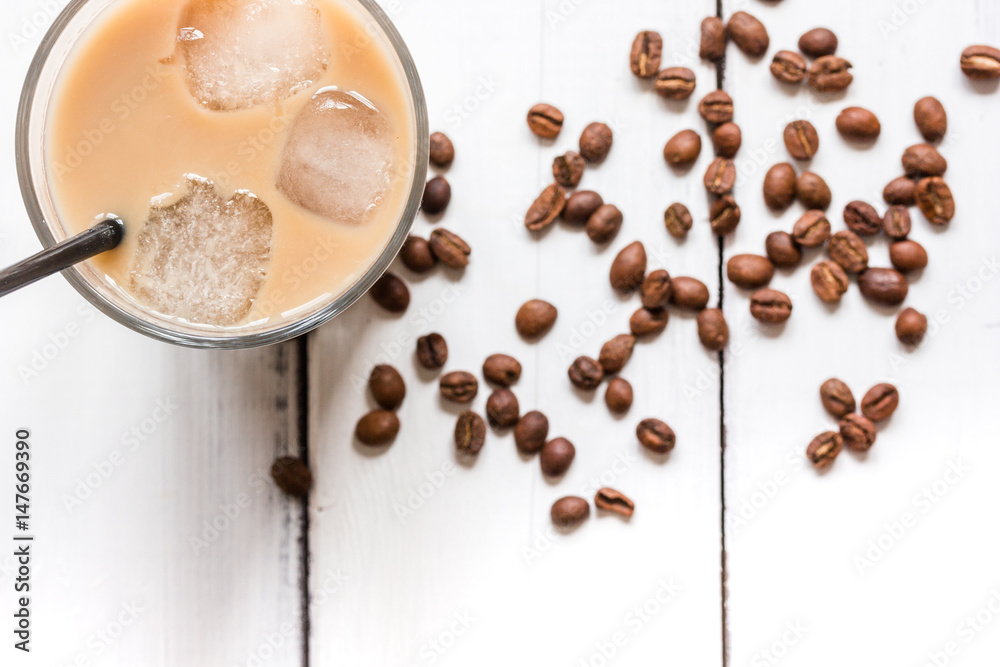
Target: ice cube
241,53
201,258
338,158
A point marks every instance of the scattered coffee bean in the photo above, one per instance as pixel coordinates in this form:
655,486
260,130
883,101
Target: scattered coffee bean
609,500
603,225
748,33
432,351
647,51
901,191
884,286
818,42
545,121
531,432
442,151
556,457
858,432
880,402
829,281
837,398
570,512
858,124
923,160
502,408
450,249
678,220
801,139
628,268
616,353
981,62
779,186
568,169
727,139
789,67
896,223
292,476
501,369
689,293
931,119
580,206
770,306
724,215
716,107
720,177
377,428
535,318
647,322
847,249
935,200
656,436
782,250
387,386
812,191
675,83
749,271
586,373
830,74
391,293
459,386
812,229
911,327
657,288
416,255
862,218
470,433
683,149
907,256
824,449
544,211
618,395
437,196
713,39
596,141
712,329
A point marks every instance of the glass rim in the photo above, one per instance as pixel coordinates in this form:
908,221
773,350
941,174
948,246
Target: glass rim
207,340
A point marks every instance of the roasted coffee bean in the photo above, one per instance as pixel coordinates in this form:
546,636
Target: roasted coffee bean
437,196
896,223
907,256
544,211
647,51
501,369
716,107
880,402
570,512
616,353
502,408
596,141
713,39
779,186
416,255
858,124
580,206
825,449
647,322
812,229
801,139
568,169
531,432
770,306
442,151
782,250
450,249
459,386
609,500
545,121
837,397
556,457
713,332
432,351
981,63
923,160
935,200
470,433
862,218
720,177
830,74
727,139
656,436
377,428
535,318
689,293
586,373
724,215
884,286
931,119
674,83
789,67
818,42
678,220
900,191
858,432
829,281
657,288
749,271
628,268
387,386
847,249
812,191
618,396
911,327
391,293
292,476
603,225
683,149
748,33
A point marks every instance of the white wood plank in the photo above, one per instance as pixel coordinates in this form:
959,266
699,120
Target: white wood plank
794,537
462,551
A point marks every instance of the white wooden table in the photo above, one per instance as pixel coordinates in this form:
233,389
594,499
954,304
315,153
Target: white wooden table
161,540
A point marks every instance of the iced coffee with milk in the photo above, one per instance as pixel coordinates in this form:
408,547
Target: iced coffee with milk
260,152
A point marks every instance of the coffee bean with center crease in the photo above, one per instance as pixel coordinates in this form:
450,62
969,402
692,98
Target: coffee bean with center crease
720,176
568,169
900,191
648,322
880,402
432,351
292,476
716,107
618,396
858,432
727,139
391,293
647,51
818,42
535,318
586,373
789,67
981,62
748,33
713,39
678,220
450,249
884,286
596,141
749,271
531,432
683,149
824,449
603,225
616,353
779,186
830,74
862,218
556,457
801,139
470,433
609,500
628,268
812,191
442,151
770,306
377,428
849,251
896,223
502,408
580,206
437,196
501,369
935,200
675,83
569,512
656,289
911,327
689,293
546,208
907,256
416,255
931,119
837,397
724,215
812,229
713,332
656,436
459,386
387,386
782,250
829,281
545,121
924,160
